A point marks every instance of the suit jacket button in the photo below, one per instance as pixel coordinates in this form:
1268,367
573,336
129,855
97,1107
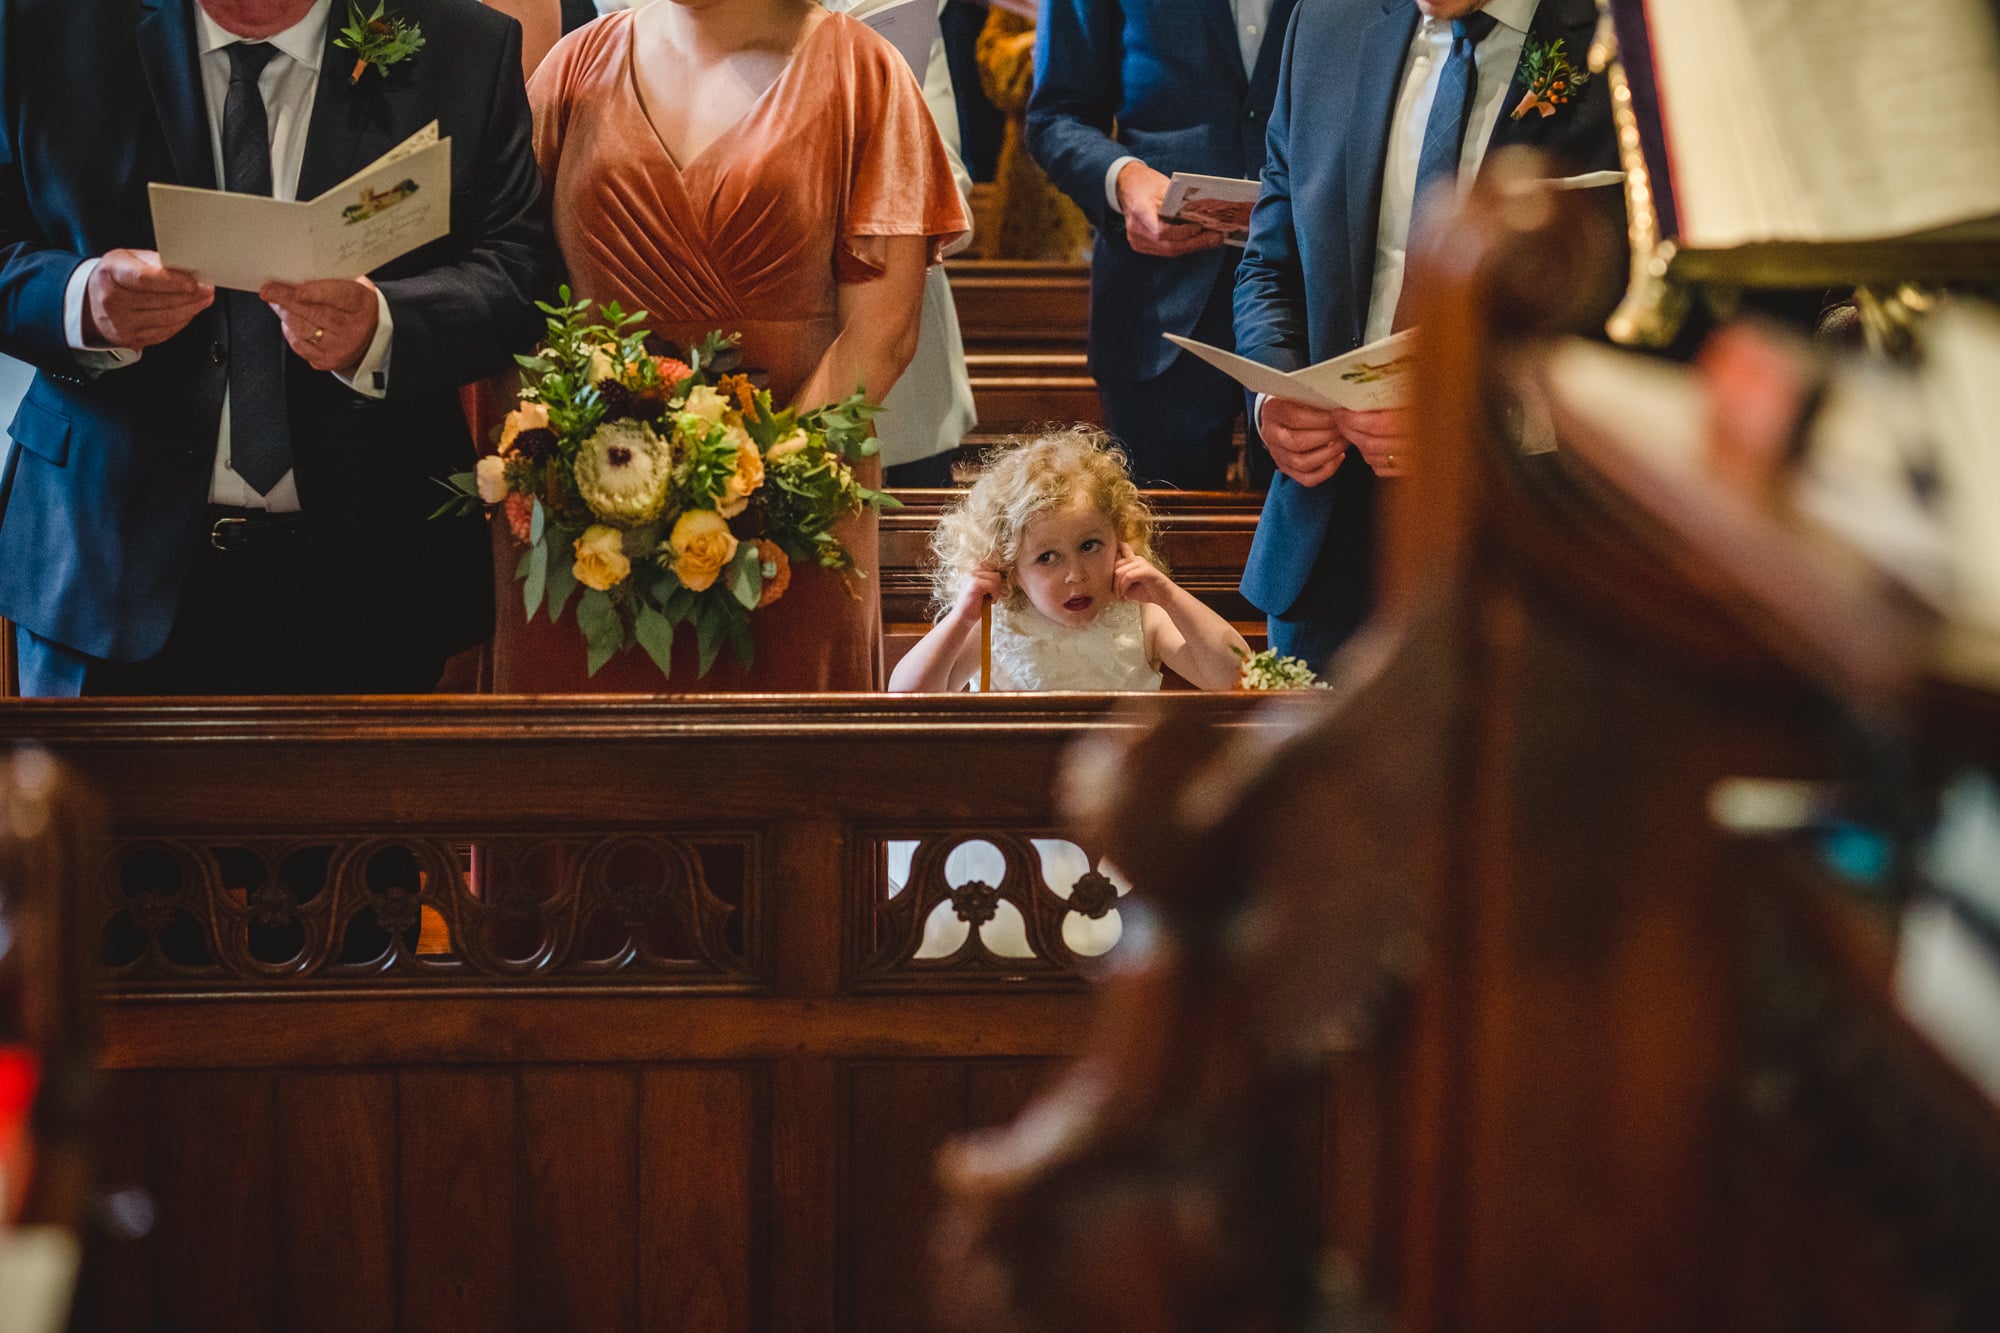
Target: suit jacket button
217,353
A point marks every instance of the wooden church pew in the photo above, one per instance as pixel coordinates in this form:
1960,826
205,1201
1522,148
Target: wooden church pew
518,1014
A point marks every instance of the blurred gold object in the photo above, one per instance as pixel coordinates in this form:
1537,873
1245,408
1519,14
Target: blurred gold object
1655,304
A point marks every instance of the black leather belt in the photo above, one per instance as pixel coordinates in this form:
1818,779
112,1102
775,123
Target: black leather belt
254,531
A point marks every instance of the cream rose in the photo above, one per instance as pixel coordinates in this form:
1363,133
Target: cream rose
702,544
602,367
600,558
706,403
528,416
748,477
491,473
787,446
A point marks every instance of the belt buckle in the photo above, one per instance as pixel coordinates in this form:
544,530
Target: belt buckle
222,531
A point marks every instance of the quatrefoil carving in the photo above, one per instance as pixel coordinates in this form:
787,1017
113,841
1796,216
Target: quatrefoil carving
969,909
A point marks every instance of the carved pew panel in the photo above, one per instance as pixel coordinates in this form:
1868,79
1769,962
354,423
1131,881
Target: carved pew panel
527,1014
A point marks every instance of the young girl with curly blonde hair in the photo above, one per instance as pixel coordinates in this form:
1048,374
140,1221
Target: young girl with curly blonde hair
1055,536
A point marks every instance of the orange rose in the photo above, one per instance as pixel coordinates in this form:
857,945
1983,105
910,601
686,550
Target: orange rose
749,475
702,545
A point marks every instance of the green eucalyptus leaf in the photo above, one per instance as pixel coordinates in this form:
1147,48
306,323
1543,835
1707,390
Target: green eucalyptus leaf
537,580
561,583
746,575
656,636
741,640
603,630
708,633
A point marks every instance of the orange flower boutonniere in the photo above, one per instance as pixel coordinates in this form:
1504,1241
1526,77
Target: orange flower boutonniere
1552,81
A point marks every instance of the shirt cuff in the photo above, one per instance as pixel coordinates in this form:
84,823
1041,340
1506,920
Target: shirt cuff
1257,412
1111,182
87,356
371,378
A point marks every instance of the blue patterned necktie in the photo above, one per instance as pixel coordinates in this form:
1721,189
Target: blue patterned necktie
1444,133
260,436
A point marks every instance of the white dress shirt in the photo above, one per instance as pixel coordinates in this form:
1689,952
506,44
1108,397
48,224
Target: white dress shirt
1423,65
1252,18
289,84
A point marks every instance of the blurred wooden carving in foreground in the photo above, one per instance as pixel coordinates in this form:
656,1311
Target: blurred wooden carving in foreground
1589,1059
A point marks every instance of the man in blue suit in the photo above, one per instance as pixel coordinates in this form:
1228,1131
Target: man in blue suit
1383,106
1183,85
221,491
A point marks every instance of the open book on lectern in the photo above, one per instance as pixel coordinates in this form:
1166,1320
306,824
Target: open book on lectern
1817,121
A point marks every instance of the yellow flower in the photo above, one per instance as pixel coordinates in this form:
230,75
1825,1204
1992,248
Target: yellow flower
749,475
706,403
702,544
602,366
528,416
787,446
600,558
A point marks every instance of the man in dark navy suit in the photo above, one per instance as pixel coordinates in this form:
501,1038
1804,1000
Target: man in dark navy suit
1128,92
1383,107
221,491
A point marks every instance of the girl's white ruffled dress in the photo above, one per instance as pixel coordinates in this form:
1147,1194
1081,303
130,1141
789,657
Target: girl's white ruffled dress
1032,652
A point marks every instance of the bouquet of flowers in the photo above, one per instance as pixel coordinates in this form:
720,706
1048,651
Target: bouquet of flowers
659,492
1272,670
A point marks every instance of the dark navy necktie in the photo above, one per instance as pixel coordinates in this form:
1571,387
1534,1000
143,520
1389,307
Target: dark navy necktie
1444,137
1444,132
260,436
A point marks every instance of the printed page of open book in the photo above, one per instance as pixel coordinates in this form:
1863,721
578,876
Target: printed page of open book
1828,120
381,214
1367,379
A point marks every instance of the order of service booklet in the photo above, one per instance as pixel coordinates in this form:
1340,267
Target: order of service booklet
911,26
1219,203
1366,379
382,212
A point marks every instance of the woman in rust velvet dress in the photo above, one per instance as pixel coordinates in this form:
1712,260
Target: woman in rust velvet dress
769,169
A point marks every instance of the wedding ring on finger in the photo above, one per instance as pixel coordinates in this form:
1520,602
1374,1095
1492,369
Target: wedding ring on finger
1390,460
318,334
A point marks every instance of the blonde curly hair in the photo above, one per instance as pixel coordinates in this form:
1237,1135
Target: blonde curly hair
1023,480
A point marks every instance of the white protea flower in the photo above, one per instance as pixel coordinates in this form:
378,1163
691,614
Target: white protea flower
623,471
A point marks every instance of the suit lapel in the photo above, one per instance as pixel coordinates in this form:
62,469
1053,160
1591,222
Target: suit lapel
1571,21
1221,16
173,77
352,124
1385,45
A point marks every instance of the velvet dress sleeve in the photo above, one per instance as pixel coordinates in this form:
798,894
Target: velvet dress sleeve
899,180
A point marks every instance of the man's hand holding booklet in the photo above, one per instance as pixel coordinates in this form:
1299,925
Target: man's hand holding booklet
1217,203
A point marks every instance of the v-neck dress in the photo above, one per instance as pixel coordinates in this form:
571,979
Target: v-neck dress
752,236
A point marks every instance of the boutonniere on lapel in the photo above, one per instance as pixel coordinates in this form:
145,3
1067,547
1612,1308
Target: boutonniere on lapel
1551,79
380,39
